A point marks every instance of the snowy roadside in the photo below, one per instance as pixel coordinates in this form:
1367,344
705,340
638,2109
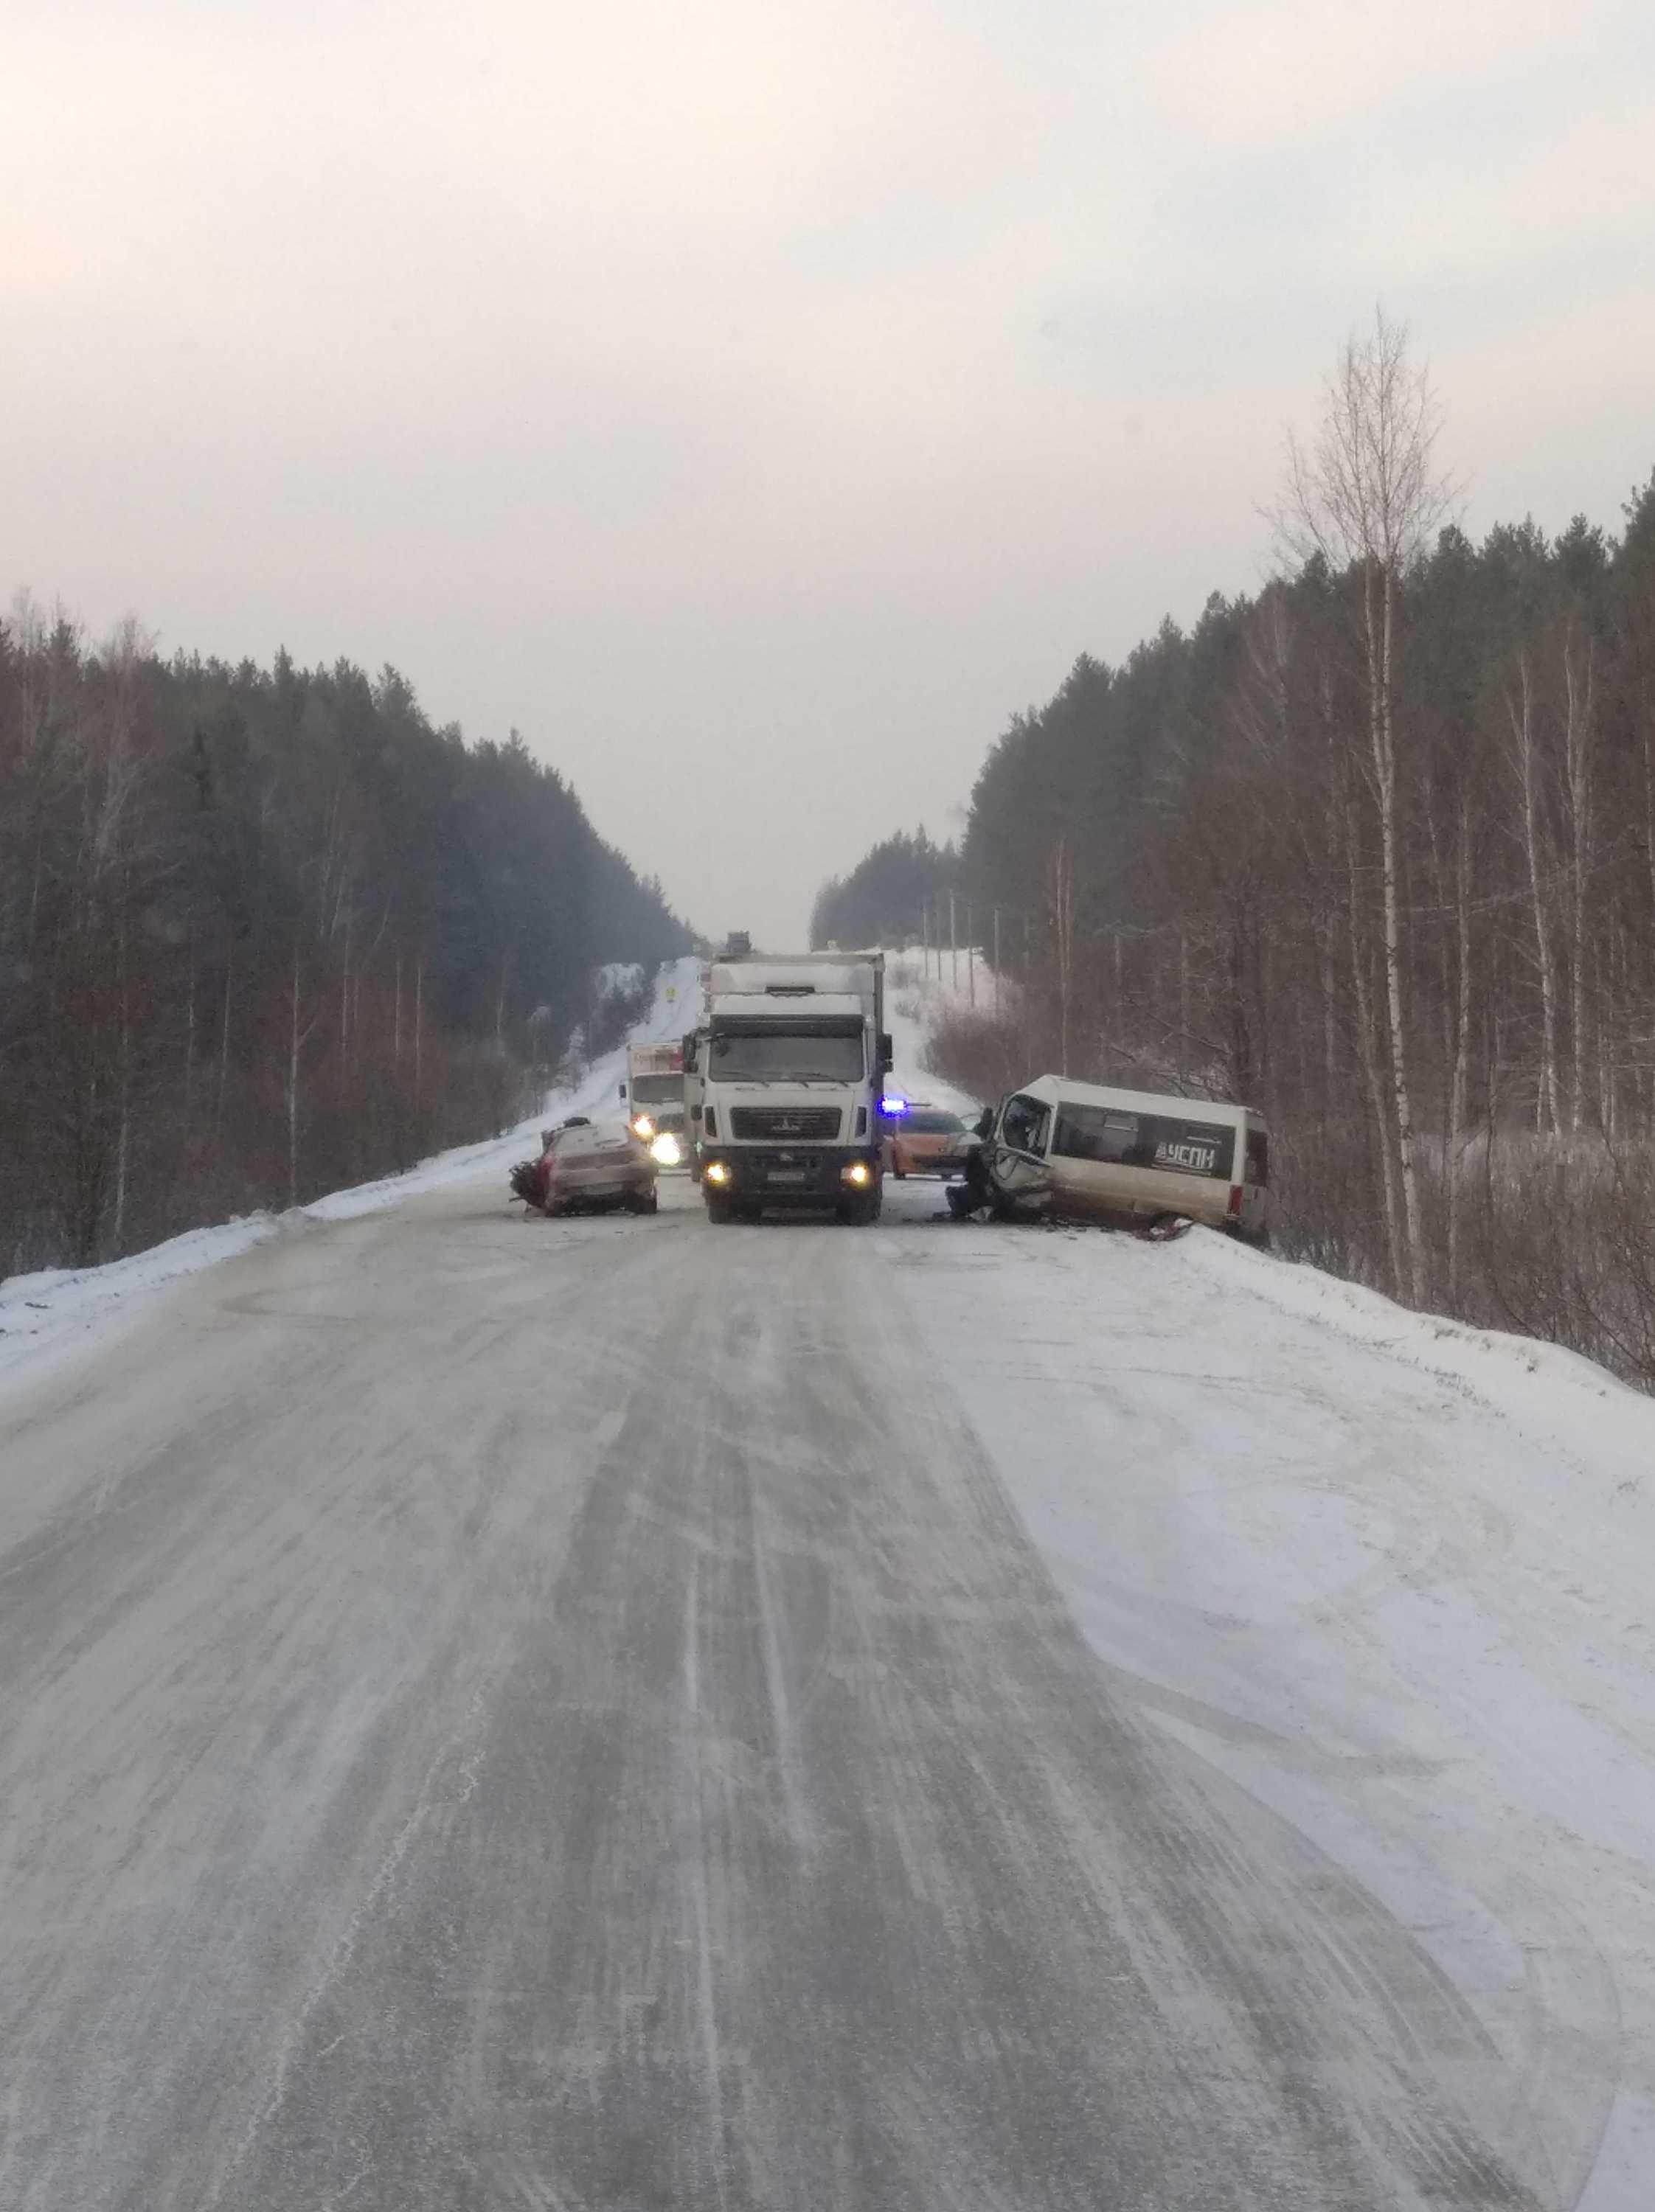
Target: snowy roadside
1390,1577
915,998
61,1311
1385,1574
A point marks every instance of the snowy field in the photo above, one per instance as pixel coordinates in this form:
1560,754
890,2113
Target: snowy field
1383,1584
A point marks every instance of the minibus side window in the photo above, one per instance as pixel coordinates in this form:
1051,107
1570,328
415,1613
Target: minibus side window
1023,1125
1258,1159
1094,1133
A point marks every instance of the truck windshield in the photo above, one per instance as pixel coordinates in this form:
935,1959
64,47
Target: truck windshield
792,1056
657,1090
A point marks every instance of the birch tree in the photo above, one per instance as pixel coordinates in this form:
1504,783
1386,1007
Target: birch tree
1579,729
1520,713
1364,495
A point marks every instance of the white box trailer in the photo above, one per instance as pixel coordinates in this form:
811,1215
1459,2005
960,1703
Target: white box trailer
1086,1148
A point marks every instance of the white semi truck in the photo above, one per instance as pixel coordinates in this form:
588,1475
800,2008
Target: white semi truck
790,1069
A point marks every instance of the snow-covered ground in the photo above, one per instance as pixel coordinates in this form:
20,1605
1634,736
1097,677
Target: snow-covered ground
1396,1579
45,1315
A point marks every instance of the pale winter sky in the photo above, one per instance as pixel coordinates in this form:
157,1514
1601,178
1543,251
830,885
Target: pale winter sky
758,404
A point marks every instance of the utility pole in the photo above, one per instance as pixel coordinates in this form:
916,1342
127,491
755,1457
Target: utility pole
996,960
953,949
970,958
1028,994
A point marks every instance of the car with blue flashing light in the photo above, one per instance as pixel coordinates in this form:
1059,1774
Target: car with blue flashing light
923,1139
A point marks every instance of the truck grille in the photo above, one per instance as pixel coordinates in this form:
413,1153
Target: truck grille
780,1124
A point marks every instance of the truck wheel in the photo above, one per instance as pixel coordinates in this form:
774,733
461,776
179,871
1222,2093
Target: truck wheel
862,1209
718,1209
646,1201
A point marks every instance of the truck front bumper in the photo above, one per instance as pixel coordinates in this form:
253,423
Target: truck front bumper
796,1175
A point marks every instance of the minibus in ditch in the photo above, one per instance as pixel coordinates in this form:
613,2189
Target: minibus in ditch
1063,1147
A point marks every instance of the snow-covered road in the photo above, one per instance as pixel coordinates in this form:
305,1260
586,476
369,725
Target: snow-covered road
623,1714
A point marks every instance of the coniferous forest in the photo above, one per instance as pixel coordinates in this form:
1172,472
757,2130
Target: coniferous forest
1374,850
887,897
266,932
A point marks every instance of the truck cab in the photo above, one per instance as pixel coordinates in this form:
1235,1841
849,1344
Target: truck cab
653,1092
791,1069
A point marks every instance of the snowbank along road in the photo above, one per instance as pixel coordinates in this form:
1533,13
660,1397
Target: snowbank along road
621,1714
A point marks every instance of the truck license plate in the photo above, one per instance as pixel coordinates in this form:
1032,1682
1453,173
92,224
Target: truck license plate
786,1175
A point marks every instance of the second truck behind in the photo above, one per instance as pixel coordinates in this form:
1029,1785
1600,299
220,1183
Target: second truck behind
654,1091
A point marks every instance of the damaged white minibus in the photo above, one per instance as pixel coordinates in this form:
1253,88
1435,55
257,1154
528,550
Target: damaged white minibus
1079,1148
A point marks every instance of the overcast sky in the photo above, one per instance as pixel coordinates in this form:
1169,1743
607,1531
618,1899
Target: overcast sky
756,404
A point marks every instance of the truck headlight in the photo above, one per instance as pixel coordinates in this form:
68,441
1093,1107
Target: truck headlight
666,1152
643,1126
858,1172
717,1172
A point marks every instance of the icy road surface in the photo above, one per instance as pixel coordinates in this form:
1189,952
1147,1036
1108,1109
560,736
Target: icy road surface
615,1715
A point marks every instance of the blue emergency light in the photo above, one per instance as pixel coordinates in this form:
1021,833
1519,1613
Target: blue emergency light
895,1108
